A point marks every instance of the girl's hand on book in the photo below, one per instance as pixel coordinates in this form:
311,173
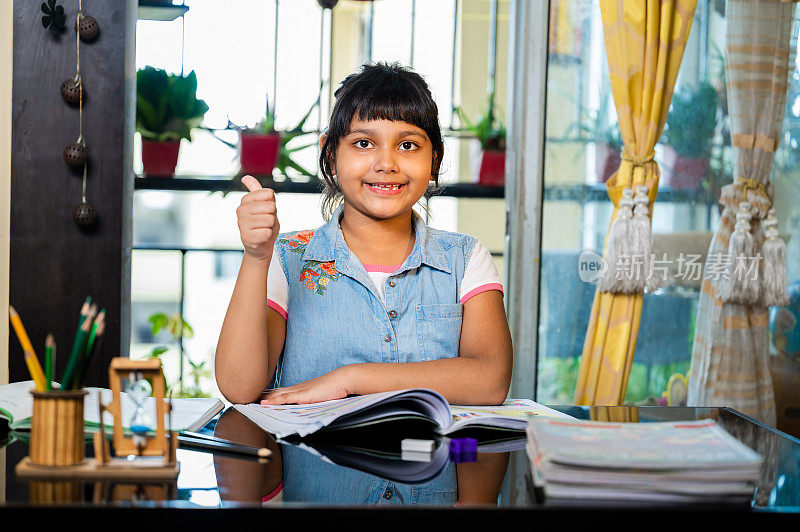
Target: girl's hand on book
257,217
332,385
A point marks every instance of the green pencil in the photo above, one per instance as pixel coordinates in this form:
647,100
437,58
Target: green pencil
86,308
91,344
49,354
78,346
87,304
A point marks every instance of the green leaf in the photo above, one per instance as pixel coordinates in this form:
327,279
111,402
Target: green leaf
692,121
484,129
158,351
167,107
157,321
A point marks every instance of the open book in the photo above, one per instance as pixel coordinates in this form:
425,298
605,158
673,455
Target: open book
404,405
16,405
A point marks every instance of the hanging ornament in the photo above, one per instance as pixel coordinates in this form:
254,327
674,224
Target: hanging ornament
84,214
75,154
72,90
53,17
87,27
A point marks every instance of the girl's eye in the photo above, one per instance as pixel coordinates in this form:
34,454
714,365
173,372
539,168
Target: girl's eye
407,145
363,143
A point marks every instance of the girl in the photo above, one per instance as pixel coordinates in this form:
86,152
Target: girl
374,286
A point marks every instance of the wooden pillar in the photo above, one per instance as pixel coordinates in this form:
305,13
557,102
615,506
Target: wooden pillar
54,264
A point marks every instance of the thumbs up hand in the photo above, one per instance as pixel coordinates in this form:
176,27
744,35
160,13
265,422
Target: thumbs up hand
257,217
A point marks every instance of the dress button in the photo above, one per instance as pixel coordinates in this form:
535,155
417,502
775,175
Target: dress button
391,283
387,494
392,313
387,338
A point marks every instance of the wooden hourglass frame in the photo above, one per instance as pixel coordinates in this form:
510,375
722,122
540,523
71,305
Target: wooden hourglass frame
163,444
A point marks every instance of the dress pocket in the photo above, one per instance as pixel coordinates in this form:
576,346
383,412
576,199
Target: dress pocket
439,330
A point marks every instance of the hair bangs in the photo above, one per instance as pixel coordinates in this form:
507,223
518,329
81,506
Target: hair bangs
392,101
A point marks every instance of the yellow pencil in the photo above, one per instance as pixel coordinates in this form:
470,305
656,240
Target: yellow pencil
30,355
36,371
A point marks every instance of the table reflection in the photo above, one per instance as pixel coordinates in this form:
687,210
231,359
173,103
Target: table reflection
295,474
316,473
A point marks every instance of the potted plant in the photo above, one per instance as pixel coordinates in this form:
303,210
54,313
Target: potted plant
491,133
608,153
259,146
689,131
167,109
607,140
262,148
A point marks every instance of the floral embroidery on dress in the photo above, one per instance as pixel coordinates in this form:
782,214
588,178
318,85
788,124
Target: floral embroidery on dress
298,241
315,275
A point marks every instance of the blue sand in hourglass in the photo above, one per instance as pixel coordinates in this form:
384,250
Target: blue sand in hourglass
139,390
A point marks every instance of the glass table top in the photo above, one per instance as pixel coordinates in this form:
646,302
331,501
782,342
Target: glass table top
328,472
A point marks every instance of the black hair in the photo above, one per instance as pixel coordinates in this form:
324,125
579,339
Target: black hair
379,91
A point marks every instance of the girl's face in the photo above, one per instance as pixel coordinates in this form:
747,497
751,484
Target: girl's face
383,167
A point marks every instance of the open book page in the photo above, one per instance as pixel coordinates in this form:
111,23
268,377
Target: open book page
16,404
286,420
512,414
187,414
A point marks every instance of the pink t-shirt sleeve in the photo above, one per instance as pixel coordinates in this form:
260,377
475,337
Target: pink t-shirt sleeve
480,275
277,287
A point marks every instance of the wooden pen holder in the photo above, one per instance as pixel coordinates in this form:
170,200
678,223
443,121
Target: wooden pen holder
57,428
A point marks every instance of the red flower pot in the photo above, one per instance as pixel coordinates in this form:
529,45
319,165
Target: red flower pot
258,152
682,173
607,161
159,158
493,168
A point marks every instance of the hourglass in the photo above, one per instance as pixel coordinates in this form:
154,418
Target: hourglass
138,390
150,445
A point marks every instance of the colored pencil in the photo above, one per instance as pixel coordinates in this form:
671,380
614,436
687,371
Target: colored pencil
212,444
99,322
87,304
34,368
78,347
92,345
49,360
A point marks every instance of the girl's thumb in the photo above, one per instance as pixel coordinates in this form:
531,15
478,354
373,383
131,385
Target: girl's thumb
251,183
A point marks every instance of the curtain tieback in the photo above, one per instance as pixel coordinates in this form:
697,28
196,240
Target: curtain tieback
752,184
636,160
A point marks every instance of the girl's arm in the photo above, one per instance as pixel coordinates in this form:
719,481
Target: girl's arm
480,375
252,336
245,480
480,482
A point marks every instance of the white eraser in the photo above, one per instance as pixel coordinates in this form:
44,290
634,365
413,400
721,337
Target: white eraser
417,446
414,456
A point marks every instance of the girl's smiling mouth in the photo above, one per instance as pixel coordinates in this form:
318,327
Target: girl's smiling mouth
385,189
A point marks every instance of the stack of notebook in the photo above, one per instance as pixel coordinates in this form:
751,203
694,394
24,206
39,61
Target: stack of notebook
693,461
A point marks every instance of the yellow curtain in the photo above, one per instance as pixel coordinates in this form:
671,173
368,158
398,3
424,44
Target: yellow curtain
644,41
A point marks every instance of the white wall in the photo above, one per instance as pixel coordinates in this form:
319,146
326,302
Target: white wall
6,68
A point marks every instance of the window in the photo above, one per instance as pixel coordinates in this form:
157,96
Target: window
580,153
186,243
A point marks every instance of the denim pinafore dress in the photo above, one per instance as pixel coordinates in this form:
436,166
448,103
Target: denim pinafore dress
335,318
